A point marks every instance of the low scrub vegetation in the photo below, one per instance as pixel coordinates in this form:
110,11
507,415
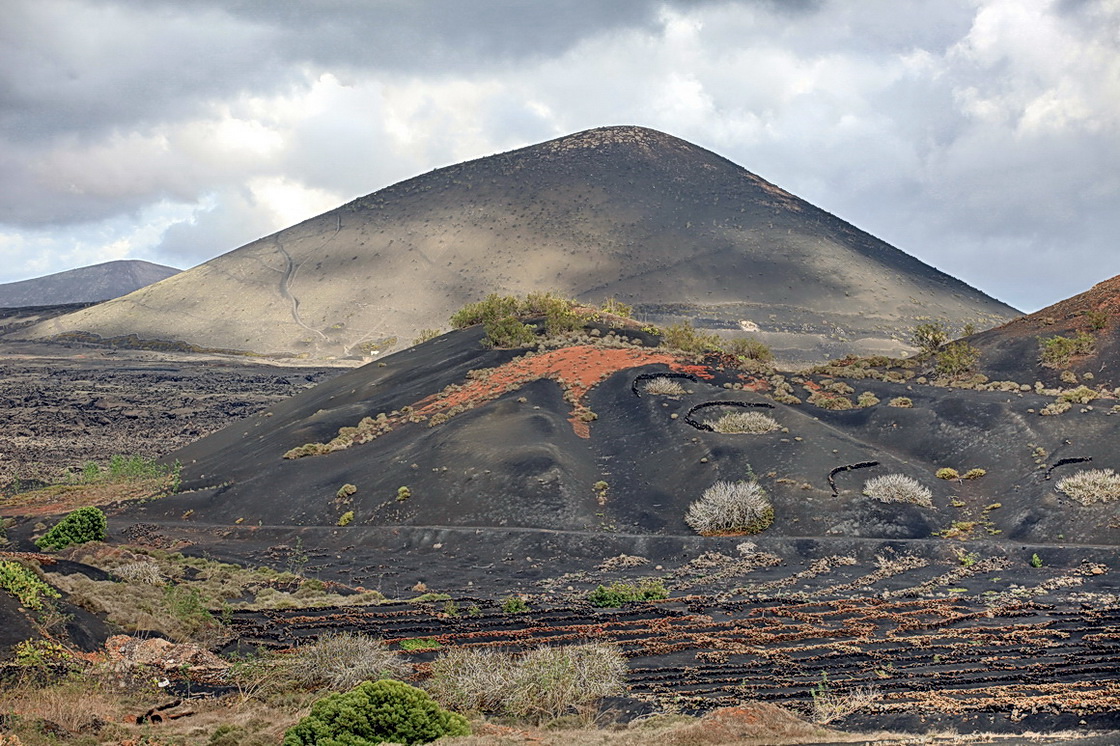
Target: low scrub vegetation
898,488
376,712
1057,351
502,317
731,508
538,685
77,527
616,594
25,585
956,358
1092,486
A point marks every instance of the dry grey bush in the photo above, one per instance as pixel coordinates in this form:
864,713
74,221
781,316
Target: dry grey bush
751,423
1092,486
898,488
144,572
731,507
344,660
664,387
538,685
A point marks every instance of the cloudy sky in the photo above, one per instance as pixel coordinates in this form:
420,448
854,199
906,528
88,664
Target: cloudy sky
982,136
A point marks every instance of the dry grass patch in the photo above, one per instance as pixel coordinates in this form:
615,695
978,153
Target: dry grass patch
750,423
663,386
1092,486
898,488
538,685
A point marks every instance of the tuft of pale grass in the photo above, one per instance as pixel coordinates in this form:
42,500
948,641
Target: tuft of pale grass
344,660
1092,486
538,685
664,386
830,705
750,423
898,488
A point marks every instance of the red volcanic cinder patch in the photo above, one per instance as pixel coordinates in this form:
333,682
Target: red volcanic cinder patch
577,369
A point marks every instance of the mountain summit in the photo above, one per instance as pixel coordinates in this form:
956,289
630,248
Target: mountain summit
626,212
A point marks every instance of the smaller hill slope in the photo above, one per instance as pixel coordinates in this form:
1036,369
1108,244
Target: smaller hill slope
91,284
448,434
1026,349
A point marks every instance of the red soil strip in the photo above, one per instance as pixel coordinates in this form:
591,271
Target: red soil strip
577,369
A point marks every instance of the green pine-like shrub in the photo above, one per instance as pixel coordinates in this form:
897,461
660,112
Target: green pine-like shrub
376,712
77,527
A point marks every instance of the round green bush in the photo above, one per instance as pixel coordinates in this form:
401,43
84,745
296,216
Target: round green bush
78,527
376,712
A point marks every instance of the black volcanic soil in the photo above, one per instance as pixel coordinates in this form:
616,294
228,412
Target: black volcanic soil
1012,351
65,404
1012,625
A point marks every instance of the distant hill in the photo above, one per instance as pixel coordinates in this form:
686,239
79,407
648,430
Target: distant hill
1015,350
91,284
659,223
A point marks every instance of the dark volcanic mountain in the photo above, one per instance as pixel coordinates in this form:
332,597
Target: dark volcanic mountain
622,212
1015,350
91,284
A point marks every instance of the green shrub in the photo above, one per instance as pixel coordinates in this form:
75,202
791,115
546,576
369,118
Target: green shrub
346,518
25,585
731,508
957,358
1097,319
420,643
1079,395
929,337
904,402
867,399
376,712
617,308
685,338
974,473
1057,351
345,491
77,527
501,317
946,472
425,335
343,660
616,594
514,605
749,348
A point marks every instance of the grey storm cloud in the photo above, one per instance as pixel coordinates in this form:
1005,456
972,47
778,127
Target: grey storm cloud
982,136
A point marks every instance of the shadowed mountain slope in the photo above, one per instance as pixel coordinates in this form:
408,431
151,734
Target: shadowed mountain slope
459,436
623,212
97,282
1017,350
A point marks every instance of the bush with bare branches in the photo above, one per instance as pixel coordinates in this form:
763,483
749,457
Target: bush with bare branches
731,508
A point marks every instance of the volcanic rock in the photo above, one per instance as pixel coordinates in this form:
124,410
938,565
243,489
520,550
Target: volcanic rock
626,212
